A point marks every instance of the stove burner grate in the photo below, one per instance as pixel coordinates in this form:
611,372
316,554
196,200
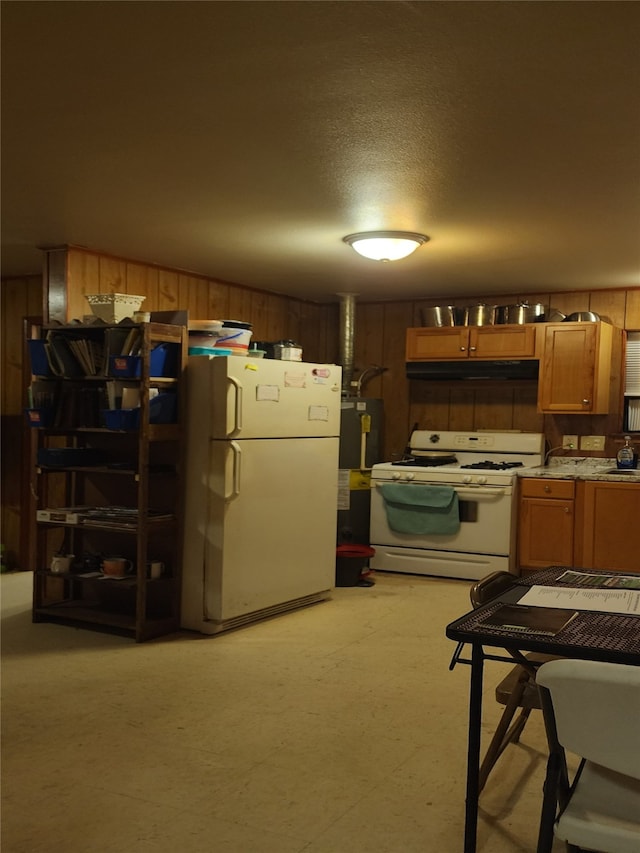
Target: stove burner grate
493,466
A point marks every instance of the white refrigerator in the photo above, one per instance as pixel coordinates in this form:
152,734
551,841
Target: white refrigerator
262,439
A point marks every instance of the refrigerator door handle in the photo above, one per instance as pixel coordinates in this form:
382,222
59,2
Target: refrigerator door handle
237,408
237,459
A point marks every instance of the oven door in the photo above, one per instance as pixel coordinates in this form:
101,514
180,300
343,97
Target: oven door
486,522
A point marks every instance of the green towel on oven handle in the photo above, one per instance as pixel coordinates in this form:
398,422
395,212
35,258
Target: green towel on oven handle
421,509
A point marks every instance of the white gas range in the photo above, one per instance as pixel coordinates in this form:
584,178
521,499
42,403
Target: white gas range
475,471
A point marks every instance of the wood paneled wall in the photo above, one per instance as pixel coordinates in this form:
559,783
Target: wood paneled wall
72,272
380,337
380,330
20,297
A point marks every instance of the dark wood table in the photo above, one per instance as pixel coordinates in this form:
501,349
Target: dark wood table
592,635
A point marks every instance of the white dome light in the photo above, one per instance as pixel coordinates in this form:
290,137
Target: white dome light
385,245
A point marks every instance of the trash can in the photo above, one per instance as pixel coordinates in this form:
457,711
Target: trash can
351,560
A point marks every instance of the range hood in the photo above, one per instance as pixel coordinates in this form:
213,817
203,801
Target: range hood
473,369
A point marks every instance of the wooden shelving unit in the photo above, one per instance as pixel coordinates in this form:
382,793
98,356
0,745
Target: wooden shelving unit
125,483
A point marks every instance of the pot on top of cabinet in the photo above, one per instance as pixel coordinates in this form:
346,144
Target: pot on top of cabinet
443,315
481,315
522,312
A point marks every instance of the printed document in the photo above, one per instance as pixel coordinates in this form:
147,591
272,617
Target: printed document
624,601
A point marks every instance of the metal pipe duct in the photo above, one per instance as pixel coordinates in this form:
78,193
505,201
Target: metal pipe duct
347,336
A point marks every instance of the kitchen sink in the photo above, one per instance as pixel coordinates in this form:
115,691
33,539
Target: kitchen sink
622,471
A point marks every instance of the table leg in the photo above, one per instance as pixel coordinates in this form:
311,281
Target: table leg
473,750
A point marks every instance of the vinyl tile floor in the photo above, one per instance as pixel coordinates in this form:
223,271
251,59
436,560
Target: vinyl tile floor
333,729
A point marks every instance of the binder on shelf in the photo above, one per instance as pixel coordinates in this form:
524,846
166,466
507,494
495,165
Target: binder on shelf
62,356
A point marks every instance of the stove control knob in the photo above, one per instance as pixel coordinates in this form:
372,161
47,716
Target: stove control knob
466,478
411,476
482,480
395,476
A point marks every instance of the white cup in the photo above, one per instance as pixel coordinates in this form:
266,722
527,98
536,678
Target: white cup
155,569
61,564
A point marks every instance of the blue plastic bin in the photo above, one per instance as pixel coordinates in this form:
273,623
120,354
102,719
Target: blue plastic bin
40,417
162,410
38,357
162,362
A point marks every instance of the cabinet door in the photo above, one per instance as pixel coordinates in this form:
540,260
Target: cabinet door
545,536
610,531
437,344
575,368
502,341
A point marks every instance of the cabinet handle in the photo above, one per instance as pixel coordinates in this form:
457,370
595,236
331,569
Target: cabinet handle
586,402
472,349
547,488
566,509
462,349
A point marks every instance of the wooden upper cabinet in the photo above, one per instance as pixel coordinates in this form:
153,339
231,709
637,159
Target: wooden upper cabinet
575,369
426,344
461,342
610,524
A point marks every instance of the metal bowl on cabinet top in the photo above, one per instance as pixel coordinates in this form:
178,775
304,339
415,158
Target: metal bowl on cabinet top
583,317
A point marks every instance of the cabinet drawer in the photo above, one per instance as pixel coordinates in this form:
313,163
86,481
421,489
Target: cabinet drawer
532,488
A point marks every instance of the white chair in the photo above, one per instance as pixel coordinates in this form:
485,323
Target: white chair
593,710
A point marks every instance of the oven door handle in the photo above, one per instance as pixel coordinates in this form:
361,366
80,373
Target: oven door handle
481,490
473,492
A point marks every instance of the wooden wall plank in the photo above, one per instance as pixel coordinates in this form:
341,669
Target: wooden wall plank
368,348
632,310
461,407
609,304
525,408
395,385
193,296
113,275
144,281
430,405
217,302
168,291
493,406
312,326
570,302
83,276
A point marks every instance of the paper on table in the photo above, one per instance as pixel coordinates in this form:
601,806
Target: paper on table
607,600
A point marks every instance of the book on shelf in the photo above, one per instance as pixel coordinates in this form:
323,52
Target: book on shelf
519,618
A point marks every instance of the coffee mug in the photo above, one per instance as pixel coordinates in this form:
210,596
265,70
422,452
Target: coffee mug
61,563
155,569
116,567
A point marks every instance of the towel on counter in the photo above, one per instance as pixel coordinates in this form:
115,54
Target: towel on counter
421,509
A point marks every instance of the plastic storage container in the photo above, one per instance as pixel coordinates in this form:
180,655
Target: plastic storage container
162,410
161,363
66,457
38,356
351,561
40,417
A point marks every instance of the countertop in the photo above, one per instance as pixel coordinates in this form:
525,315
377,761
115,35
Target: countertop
577,468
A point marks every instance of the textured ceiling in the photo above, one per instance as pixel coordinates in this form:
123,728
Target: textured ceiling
243,140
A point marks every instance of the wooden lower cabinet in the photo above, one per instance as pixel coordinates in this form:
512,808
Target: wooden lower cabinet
609,537
545,523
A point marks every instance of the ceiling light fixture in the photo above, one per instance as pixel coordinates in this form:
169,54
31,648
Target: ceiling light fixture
385,245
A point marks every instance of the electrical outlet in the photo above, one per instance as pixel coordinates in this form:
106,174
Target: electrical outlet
570,442
592,442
